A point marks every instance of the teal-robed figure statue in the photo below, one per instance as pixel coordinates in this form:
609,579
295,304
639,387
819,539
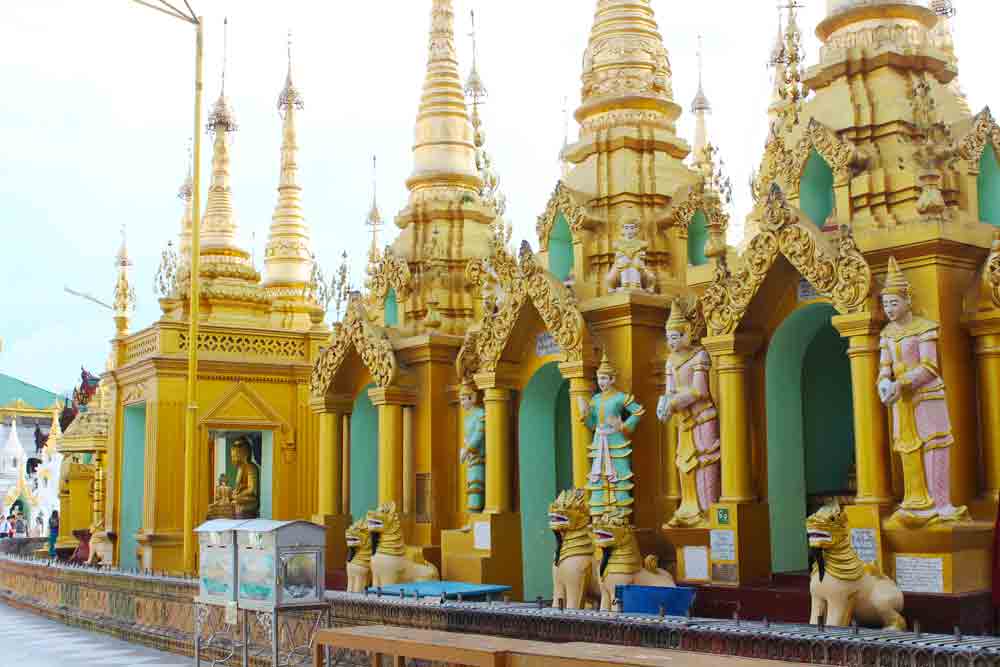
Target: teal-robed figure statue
473,454
613,416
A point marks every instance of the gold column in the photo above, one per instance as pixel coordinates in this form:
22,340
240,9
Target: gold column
330,458
409,463
731,354
498,455
97,521
988,366
872,456
581,385
390,402
346,459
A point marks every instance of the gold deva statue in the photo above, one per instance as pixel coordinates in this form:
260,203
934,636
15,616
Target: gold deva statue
242,500
689,402
629,272
910,385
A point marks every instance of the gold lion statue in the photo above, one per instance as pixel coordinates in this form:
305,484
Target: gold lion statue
394,562
621,562
843,587
359,556
574,576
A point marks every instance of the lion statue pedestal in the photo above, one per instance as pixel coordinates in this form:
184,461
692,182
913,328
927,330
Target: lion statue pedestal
394,562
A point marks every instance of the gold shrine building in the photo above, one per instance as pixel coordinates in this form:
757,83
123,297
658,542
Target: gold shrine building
872,155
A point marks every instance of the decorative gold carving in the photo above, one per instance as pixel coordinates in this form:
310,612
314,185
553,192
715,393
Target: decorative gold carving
844,277
992,273
984,129
263,346
561,201
389,272
371,343
135,393
844,158
142,346
555,305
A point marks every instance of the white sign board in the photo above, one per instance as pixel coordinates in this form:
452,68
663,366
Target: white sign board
696,563
723,545
545,345
916,574
481,535
863,541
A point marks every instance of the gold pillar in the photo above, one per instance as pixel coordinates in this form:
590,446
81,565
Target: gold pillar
581,385
390,402
872,456
731,355
330,458
985,328
409,464
498,454
346,458
97,522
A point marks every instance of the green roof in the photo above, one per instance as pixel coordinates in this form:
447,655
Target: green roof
12,389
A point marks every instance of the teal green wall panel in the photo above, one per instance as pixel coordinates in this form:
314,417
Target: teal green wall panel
816,197
827,413
561,248
697,239
989,187
391,308
364,455
545,467
800,401
132,484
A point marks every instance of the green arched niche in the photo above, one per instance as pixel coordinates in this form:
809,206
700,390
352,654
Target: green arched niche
810,426
391,308
989,187
561,248
545,467
132,489
816,197
364,455
697,238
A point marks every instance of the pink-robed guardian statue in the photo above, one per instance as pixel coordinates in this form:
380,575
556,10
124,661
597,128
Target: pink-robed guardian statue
689,401
911,386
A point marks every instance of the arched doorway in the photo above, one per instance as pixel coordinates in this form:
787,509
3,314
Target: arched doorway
989,187
816,196
810,426
545,467
561,248
364,455
697,238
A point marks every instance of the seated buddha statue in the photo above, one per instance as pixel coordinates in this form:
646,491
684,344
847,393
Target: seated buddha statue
246,488
222,506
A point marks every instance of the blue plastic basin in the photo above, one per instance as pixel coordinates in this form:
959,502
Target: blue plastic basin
649,599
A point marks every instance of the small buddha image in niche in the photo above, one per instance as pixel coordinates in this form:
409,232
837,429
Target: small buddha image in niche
241,498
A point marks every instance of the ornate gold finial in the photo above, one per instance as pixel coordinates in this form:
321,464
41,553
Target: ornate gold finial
701,103
606,367
678,317
290,96
124,301
896,283
476,91
374,219
793,92
222,120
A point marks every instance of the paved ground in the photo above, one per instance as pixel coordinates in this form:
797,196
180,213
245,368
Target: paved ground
27,640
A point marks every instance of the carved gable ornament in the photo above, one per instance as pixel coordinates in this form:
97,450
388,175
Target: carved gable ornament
563,200
389,272
691,199
522,282
785,165
370,341
242,406
840,274
984,130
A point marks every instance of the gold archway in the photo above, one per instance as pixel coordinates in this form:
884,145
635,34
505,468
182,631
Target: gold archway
841,274
370,341
563,200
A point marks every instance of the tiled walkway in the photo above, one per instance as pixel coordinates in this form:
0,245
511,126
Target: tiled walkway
27,640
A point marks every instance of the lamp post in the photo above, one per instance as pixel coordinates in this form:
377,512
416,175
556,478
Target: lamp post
190,419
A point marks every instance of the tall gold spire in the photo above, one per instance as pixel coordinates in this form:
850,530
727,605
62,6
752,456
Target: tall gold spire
374,219
625,64
476,90
124,294
778,62
288,258
444,152
219,223
186,194
700,107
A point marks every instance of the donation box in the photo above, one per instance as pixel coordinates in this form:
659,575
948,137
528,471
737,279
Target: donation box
280,564
217,561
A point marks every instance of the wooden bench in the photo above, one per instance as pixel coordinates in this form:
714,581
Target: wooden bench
486,651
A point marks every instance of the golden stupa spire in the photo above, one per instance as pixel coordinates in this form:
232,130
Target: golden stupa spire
444,152
219,224
186,194
476,91
124,295
287,257
374,219
778,60
625,78
700,107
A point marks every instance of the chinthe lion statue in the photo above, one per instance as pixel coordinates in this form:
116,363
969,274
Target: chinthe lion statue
843,587
574,576
394,562
359,556
621,562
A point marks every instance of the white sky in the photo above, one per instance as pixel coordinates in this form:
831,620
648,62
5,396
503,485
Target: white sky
97,105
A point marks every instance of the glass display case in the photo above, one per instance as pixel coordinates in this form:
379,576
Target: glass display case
217,561
280,564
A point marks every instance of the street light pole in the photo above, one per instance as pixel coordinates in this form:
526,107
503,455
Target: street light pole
191,415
